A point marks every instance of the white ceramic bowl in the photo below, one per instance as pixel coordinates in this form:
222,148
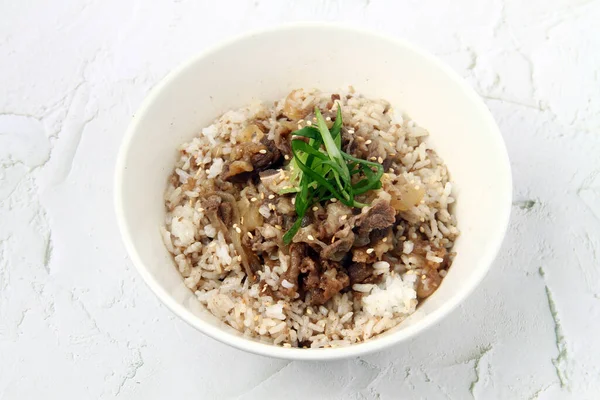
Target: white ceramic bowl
266,65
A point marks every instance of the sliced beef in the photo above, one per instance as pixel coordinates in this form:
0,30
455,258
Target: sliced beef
380,216
363,255
337,250
332,281
359,272
237,171
248,158
428,282
297,254
225,213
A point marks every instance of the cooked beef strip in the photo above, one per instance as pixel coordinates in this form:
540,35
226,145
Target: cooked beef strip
381,215
330,282
358,272
339,248
428,282
297,254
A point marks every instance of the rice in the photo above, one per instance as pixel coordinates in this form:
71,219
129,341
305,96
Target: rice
212,269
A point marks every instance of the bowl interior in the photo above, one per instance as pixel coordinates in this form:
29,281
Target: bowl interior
266,66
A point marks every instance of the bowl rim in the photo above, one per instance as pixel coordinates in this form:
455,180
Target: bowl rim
270,350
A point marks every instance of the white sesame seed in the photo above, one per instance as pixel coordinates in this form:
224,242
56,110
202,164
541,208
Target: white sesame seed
308,311
369,141
328,119
417,187
315,208
263,151
423,277
391,170
380,160
311,237
333,239
384,240
242,220
373,159
392,144
253,199
238,230
294,200
278,227
235,225
369,251
299,126
334,200
309,123
250,235
343,217
271,196
262,195
286,157
350,130
239,258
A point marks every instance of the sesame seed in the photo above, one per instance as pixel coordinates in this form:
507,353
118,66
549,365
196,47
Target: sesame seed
351,130
256,317
384,240
392,144
294,200
369,141
422,229
278,227
393,155
369,251
417,187
235,225
391,170
315,208
272,207
308,311
328,119
286,157
238,230
250,235
309,123
201,209
262,195
333,239
343,217
422,219
263,151
253,199
334,200
287,345
373,158
380,160
299,126
271,196
402,237
311,237
300,121
423,277
239,258
242,220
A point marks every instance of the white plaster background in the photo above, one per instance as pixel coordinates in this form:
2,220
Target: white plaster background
77,322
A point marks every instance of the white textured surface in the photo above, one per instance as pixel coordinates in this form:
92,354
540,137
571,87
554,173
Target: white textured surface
76,320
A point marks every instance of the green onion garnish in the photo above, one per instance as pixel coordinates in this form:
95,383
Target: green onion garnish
324,171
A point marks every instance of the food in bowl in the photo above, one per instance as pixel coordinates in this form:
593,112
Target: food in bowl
320,220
